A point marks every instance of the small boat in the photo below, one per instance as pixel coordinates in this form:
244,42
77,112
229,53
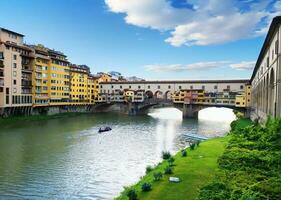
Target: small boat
104,129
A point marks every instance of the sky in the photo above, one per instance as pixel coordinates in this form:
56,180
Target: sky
151,39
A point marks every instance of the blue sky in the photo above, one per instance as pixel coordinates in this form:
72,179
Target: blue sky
155,40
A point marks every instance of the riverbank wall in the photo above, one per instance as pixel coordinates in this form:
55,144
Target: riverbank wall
50,110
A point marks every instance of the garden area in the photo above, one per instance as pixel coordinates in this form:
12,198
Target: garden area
250,167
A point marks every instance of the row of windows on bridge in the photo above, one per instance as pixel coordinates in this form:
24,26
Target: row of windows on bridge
180,87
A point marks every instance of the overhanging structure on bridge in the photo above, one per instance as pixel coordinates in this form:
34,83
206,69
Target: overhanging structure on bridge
189,96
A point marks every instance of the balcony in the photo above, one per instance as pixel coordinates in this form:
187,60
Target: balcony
26,69
38,69
26,83
26,91
41,96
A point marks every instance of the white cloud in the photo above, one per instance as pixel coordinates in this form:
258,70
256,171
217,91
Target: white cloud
183,67
209,22
155,14
244,65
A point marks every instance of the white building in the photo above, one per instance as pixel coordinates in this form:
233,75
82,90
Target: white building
265,80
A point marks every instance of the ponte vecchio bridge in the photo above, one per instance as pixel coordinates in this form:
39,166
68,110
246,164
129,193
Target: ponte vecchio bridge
188,96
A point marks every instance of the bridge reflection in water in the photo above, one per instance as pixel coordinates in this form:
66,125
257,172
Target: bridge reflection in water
170,122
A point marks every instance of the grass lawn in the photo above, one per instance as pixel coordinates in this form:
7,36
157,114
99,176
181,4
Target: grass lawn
195,171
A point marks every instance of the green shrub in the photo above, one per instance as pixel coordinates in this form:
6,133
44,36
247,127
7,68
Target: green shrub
132,195
168,170
198,143
146,187
166,155
183,153
157,176
148,169
250,167
214,191
192,146
171,160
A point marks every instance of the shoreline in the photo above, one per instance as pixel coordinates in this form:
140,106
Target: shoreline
39,117
195,170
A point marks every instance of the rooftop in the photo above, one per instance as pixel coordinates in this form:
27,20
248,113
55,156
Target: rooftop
180,81
9,31
272,29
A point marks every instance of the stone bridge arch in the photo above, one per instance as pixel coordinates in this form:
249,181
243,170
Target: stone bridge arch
158,94
168,95
149,94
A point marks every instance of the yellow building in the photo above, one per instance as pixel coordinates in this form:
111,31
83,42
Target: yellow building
91,91
248,95
240,100
244,99
96,88
200,96
129,95
59,79
178,97
79,85
40,77
103,77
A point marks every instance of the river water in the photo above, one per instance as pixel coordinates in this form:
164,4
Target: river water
67,158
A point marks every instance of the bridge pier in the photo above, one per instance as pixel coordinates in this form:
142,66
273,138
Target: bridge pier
189,111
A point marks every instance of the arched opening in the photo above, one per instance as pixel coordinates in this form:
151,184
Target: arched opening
218,118
263,94
279,90
148,94
158,94
168,95
271,92
267,93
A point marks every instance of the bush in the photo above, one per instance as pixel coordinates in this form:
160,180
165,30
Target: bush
157,176
166,155
171,160
214,191
148,169
183,153
198,143
168,170
249,168
146,187
192,146
132,195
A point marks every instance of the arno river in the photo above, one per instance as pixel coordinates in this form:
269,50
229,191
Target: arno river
67,158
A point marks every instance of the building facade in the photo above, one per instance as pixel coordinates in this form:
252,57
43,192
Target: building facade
41,77
16,61
266,78
80,84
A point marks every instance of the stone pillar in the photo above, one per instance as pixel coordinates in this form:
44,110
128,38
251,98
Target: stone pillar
188,111
133,108
278,112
